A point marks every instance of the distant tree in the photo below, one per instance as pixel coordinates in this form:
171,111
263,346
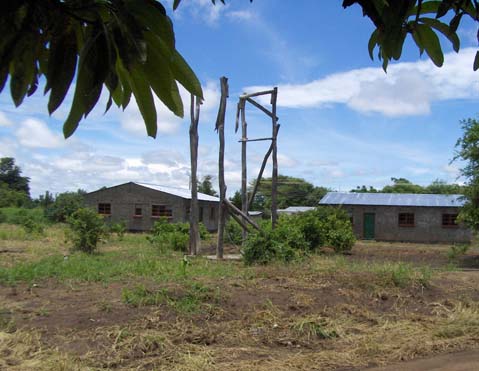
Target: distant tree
467,150
206,186
364,189
236,199
64,206
291,192
45,200
442,187
402,185
12,198
11,175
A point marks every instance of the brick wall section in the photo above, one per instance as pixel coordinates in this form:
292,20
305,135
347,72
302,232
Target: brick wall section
124,198
428,224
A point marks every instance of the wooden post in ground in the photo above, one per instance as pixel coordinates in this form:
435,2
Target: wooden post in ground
274,178
244,174
195,242
220,126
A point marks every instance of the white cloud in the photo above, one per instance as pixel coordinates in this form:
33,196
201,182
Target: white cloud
4,120
36,134
286,161
407,88
241,15
202,10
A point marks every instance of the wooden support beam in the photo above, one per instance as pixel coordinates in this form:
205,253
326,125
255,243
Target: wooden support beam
251,95
274,178
220,128
260,107
195,241
239,221
244,176
254,140
235,210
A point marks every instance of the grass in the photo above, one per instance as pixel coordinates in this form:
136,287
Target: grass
15,215
150,310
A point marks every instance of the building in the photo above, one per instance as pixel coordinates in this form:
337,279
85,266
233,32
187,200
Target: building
403,217
141,204
295,209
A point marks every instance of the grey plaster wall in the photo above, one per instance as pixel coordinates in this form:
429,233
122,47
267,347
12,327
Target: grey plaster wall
428,224
124,198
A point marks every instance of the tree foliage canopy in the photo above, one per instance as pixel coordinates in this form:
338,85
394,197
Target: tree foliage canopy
128,46
402,185
206,186
467,149
423,20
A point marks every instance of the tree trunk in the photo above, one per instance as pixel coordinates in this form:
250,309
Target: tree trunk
195,242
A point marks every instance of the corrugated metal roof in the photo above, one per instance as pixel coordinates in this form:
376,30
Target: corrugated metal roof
392,199
255,213
180,192
296,209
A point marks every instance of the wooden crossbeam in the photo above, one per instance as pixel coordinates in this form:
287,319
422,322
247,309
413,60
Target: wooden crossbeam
254,140
260,107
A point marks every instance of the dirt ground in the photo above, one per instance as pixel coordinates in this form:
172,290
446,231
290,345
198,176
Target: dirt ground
297,317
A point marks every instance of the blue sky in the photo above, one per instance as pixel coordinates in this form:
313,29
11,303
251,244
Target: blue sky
344,122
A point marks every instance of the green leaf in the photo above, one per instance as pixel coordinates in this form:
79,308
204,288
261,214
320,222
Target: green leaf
123,75
22,69
61,68
454,24
185,75
92,72
176,3
426,39
144,99
373,41
445,30
3,76
426,8
162,81
476,61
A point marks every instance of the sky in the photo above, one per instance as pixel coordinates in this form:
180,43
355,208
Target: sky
344,122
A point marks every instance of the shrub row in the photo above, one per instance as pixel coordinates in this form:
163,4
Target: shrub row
296,235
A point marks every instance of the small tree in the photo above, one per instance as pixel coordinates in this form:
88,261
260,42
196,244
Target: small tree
467,149
64,206
86,230
206,186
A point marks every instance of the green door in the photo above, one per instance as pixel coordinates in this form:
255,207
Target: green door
368,232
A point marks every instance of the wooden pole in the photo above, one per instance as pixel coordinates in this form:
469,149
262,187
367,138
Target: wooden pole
274,178
246,218
220,128
195,242
244,178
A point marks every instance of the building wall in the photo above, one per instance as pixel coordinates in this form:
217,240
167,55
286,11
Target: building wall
126,197
428,224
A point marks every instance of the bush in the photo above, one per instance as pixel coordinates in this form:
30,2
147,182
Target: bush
457,251
119,229
338,233
166,235
262,247
233,232
64,206
86,230
31,226
3,217
204,234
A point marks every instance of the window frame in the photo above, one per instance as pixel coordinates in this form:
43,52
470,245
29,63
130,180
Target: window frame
103,207
135,212
164,211
406,220
449,220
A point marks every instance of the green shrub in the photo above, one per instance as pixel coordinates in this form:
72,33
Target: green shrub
86,230
17,215
204,234
119,229
262,247
173,236
3,217
233,232
64,206
338,233
31,226
456,251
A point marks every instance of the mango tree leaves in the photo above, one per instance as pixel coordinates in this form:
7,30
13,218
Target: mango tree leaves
394,20
126,45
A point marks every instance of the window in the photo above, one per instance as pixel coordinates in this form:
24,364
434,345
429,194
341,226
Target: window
201,214
212,213
158,211
104,209
406,219
138,211
449,220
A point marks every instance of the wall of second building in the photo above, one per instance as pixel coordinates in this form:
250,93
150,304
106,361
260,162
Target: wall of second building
125,199
427,224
